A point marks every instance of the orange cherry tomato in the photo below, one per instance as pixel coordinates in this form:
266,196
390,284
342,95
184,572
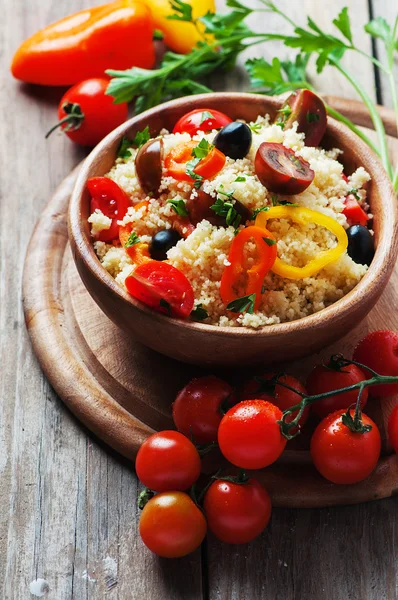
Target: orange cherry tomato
171,525
139,253
177,159
233,273
118,35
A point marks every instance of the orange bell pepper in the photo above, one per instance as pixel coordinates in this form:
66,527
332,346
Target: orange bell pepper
234,273
118,35
179,36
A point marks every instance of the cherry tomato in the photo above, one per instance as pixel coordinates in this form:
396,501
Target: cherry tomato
201,119
197,408
86,114
309,111
171,525
280,170
324,379
249,435
162,287
111,200
148,165
261,389
237,513
393,428
177,159
342,456
379,351
166,461
354,212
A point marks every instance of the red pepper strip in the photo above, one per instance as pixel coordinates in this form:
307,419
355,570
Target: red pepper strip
264,260
354,212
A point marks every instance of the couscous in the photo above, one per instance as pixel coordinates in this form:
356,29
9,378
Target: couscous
233,223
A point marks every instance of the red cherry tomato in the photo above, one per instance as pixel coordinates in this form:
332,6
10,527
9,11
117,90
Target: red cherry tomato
111,200
166,461
171,525
354,212
282,397
249,435
87,114
342,456
177,159
162,287
280,170
310,113
393,428
197,408
323,379
201,119
237,513
379,351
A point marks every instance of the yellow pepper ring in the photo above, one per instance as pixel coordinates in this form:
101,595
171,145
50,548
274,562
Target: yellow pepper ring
303,216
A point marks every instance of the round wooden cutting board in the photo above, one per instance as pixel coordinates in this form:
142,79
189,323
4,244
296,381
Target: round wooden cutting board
123,391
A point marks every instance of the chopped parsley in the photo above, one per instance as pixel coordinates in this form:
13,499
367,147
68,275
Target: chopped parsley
133,239
206,115
287,203
284,114
164,304
142,137
256,127
179,206
243,304
312,117
200,151
157,34
240,178
199,313
258,211
354,192
269,241
124,150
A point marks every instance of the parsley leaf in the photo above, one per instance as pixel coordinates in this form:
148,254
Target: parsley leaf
183,11
124,150
243,304
202,149
258,210
132,240
379,28
256,127
278,77
179,206
354,192
342,22
157,34
164,304
142,137
199,313
269,241
198,152
239,179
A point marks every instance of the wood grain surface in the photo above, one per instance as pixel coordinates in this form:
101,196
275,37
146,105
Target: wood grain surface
68,505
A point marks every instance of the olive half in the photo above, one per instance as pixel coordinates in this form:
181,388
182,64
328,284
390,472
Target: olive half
148,165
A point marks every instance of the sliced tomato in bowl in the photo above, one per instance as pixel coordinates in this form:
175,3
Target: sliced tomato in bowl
201,119
111,200
162,287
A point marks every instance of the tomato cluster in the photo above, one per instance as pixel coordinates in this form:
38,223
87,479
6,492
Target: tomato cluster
247,424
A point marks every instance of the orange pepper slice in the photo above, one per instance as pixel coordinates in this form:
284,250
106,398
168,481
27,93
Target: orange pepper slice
139,253
265,258
177,159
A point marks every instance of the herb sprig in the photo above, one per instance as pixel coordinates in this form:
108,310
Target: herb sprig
180,75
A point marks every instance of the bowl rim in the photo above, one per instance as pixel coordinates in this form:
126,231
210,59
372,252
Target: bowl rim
387,243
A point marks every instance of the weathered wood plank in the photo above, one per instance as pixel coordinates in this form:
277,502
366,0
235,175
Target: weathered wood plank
388,9
68,507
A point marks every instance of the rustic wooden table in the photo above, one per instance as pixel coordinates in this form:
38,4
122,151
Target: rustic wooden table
68,505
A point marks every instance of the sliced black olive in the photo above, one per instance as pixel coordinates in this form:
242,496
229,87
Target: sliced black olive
162,241
234,140
199,208
148,165
360,244
309,111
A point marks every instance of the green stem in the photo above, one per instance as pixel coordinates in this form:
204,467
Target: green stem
377,122
340,117
376,62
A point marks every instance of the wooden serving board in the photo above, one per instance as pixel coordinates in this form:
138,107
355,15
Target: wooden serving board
123,391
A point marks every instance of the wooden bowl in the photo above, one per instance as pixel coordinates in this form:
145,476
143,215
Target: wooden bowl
234,346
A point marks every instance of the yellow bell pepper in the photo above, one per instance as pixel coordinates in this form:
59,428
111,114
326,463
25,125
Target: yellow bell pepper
303,216
179,36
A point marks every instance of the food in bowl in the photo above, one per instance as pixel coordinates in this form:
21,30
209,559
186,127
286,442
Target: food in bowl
234,223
